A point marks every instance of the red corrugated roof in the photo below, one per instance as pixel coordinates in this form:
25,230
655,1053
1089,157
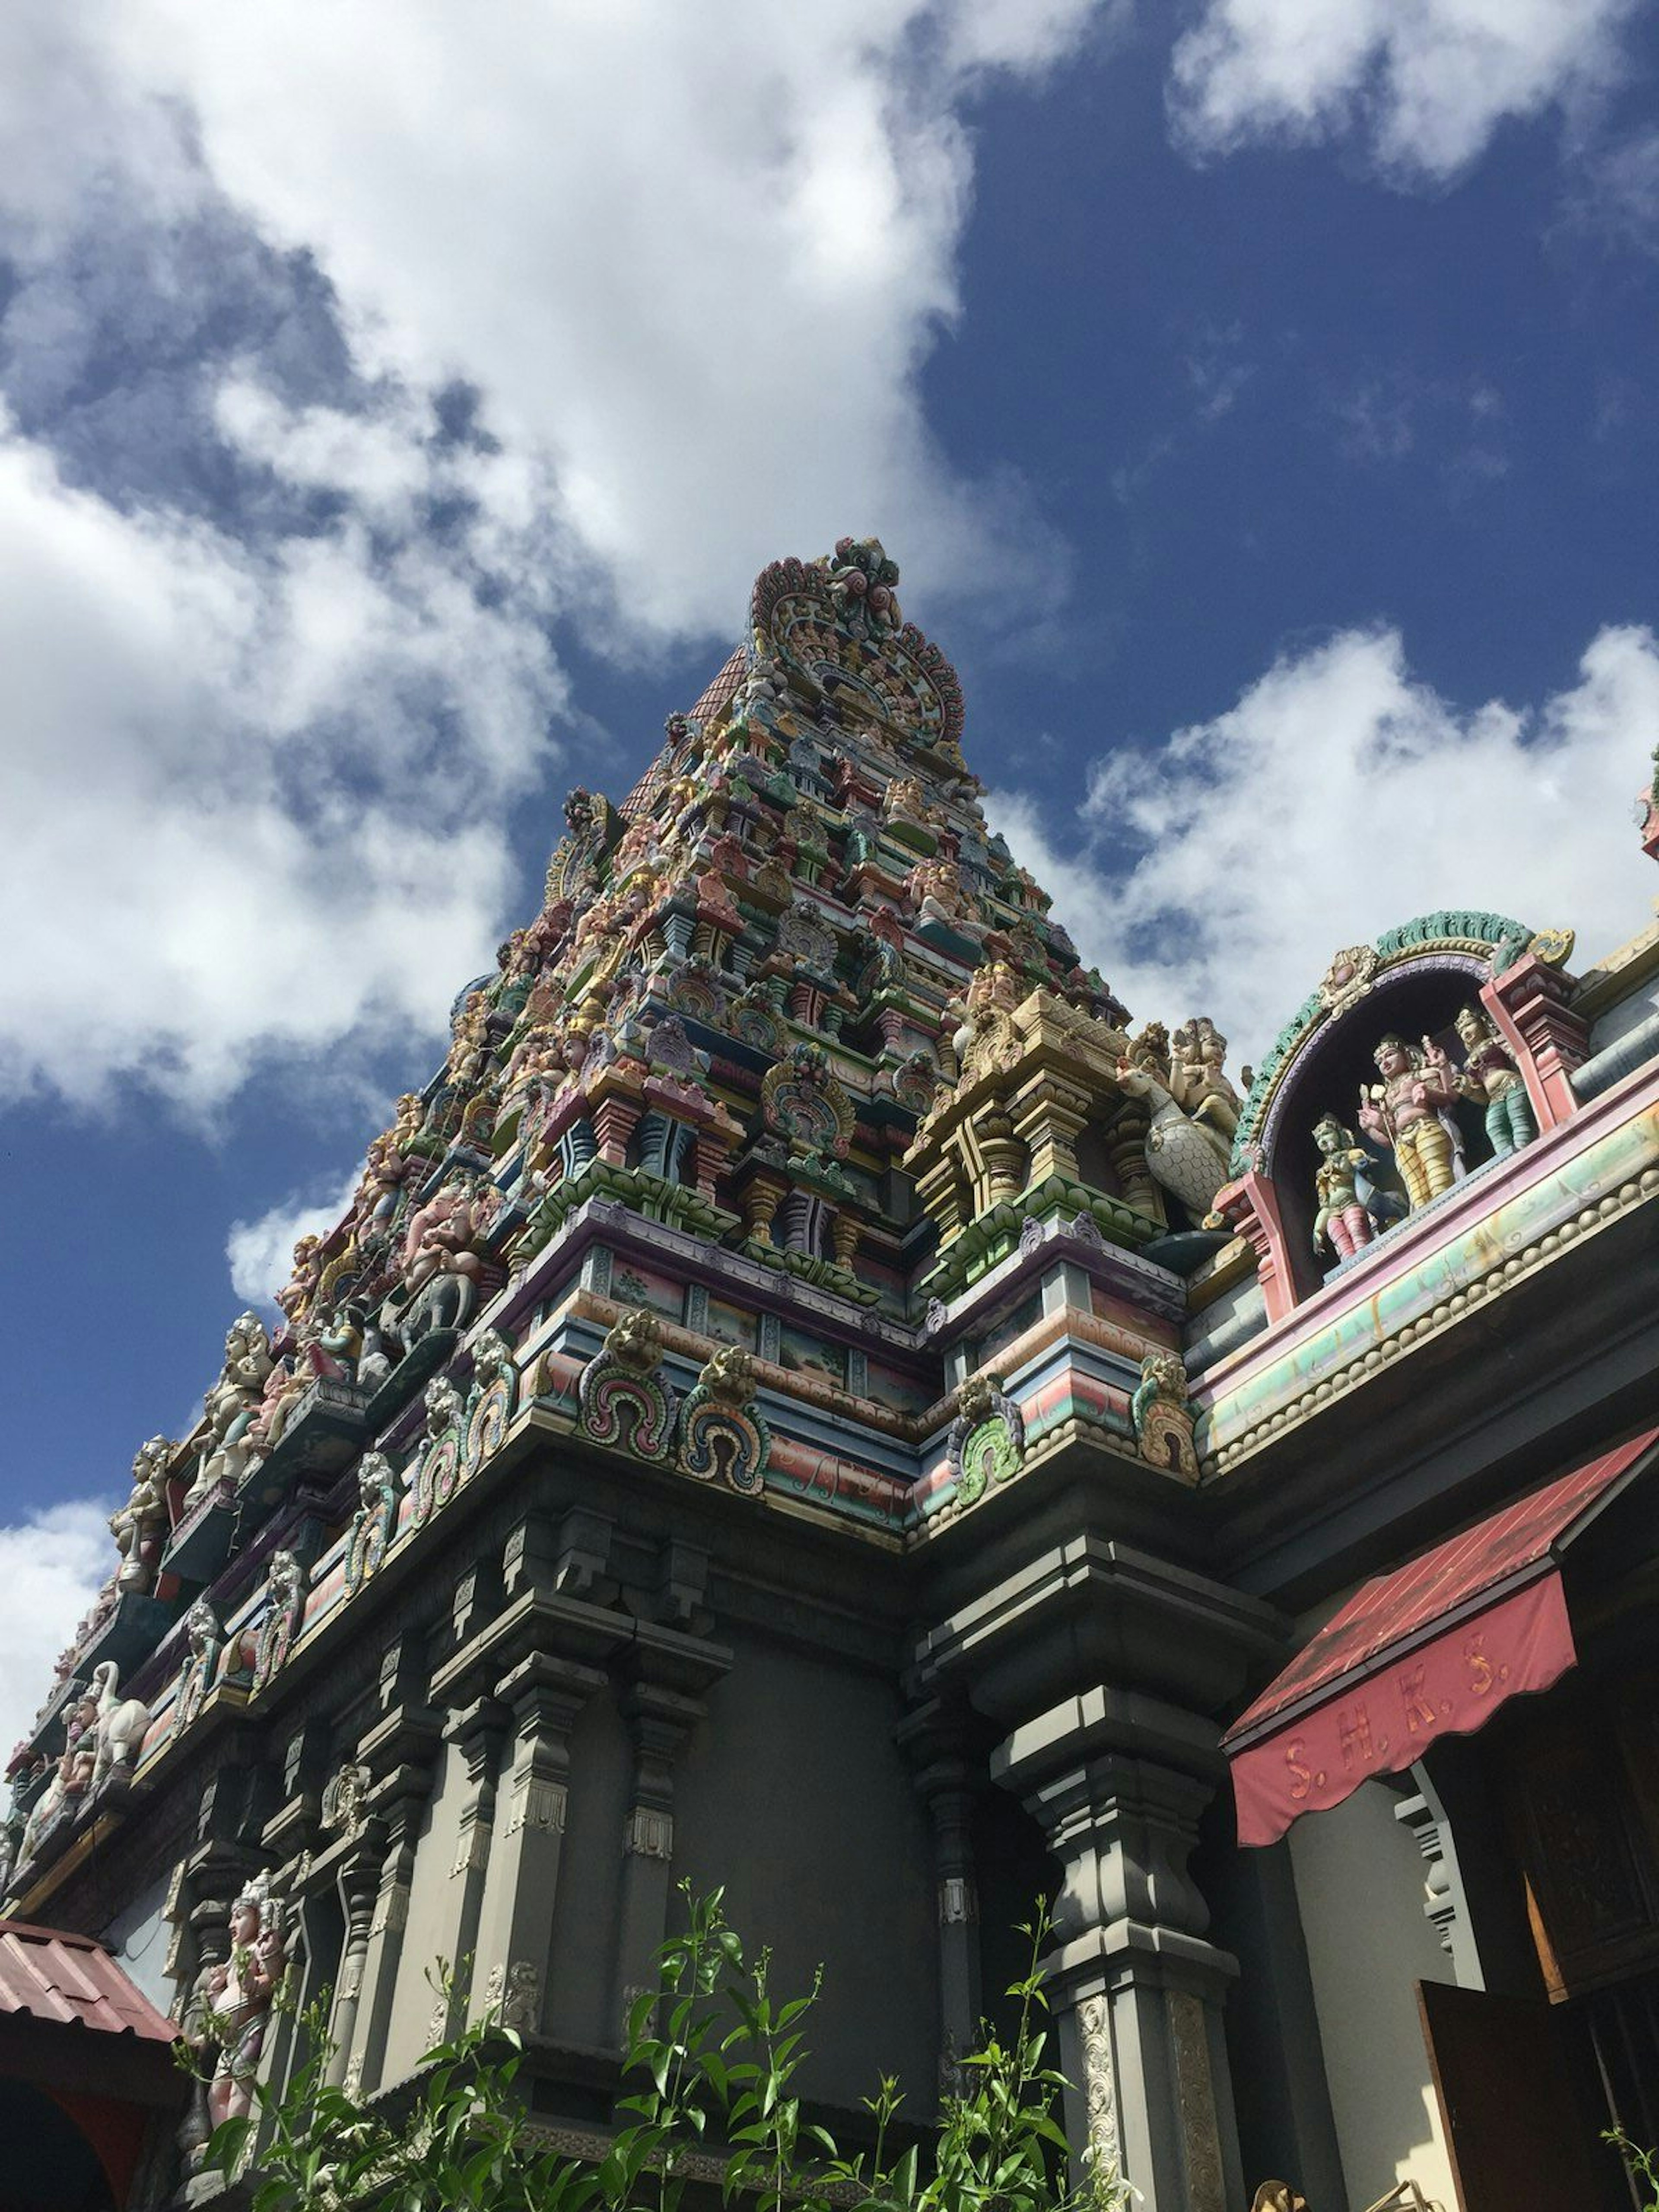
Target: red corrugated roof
48,1974
1395,1608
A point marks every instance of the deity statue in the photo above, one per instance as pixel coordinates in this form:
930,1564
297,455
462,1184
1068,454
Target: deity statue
282,1388
71,1778
239,1991
936,891
1198,1081
1490,1077
443,1234
1342,1221
332,1350
232,1404
205,1640
1411,1111
469,1051
140,1527
295,1296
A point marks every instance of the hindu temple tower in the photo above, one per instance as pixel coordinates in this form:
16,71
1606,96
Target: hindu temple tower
809,1398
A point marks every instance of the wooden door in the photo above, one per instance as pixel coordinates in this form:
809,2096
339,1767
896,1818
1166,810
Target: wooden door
1513,2126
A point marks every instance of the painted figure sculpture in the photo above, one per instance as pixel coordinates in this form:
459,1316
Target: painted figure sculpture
119,1725
240,1993
1410,1111
140,1527
232,1404
1342,1223
1185,1154
1490,1077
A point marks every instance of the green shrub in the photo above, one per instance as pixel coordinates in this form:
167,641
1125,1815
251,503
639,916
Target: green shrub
716,2058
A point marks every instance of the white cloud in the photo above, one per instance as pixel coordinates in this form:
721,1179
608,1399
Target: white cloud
260,1252
1338,798
52,1565
694,275
1426,82
253,798
255,766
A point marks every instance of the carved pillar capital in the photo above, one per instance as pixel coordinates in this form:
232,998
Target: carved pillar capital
1118,1782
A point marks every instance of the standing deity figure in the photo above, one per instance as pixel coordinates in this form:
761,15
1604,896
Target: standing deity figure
295,1296
1342,1222
1411,1111
205,1643
140,1527
239,1991
1490,1077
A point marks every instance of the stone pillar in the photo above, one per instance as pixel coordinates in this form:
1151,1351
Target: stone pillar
1250,1209
388,1919
1531,1004
660,1721
936,1738
477,1732
1118,1781
359,1886
545,1693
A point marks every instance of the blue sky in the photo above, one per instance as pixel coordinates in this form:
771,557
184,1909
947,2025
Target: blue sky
1257,394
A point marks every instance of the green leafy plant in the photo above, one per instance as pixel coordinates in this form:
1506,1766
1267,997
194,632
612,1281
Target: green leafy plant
716,2056
1641,2166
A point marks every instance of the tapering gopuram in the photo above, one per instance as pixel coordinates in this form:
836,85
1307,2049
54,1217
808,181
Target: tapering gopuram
811,1398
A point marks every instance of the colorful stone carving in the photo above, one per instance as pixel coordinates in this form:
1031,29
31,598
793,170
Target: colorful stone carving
987,1442
1342,1223
439,1466
205,1641
284,1615
231,1405
624,1400
444,1234
140,1527
491,1400
70,1778
805,1102
1162,1418
1410,1111
119,1725
1198,1079
374,1520
723,1434
1489,1076
1187,1156
241,1992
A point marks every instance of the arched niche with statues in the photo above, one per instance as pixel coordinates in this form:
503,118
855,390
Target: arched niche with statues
1415,1062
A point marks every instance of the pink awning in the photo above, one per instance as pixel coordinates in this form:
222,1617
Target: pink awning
1431,1649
